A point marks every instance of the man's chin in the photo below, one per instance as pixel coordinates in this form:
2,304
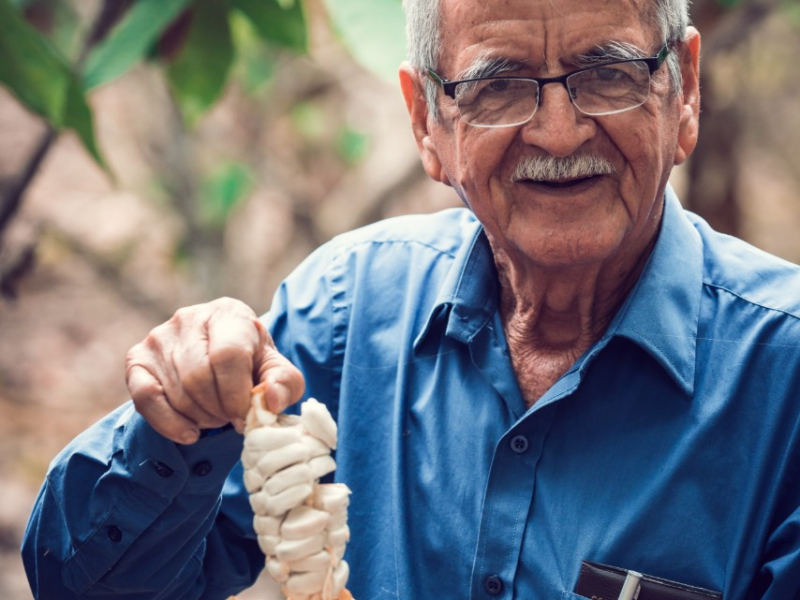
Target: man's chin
563,237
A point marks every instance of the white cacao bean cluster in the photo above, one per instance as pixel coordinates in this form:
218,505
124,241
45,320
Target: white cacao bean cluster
301,523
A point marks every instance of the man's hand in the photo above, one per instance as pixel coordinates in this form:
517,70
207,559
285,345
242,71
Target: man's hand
196,370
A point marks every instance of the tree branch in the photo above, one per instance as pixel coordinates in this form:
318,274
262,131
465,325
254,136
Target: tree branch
12,271
13,199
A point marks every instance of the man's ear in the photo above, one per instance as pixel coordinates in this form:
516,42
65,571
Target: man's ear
417,105
689,55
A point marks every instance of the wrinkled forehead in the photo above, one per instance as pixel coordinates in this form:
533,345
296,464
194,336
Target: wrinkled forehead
546,31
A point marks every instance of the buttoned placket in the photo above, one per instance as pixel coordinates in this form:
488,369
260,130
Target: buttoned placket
507,499
512,477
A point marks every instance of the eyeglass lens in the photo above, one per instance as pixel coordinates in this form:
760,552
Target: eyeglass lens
600,90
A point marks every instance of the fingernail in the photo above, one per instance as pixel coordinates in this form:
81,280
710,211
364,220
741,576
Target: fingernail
190,436
280,398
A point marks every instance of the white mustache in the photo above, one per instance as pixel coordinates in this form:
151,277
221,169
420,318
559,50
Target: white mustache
550,168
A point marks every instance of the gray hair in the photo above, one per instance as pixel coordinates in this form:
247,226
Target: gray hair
423,36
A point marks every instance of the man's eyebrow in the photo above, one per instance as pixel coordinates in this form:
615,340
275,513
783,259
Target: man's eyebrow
610,51
490,66
486,66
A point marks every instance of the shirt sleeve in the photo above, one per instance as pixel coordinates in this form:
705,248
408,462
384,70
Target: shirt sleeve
126,512
779,575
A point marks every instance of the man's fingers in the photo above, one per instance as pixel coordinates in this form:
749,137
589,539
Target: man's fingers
169,369
192,388
285,383
196,370
151,402
234,347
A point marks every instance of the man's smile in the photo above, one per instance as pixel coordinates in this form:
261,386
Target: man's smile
571,185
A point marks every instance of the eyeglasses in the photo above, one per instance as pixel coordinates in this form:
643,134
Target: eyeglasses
604,89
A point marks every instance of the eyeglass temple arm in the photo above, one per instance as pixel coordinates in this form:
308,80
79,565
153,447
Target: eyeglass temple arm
656,61
448,87
433,75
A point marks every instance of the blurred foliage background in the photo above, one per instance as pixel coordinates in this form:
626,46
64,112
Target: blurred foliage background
158,153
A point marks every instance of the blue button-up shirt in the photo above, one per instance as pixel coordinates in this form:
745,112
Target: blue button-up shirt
672,447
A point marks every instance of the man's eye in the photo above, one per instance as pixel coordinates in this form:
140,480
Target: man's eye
498,85
608,73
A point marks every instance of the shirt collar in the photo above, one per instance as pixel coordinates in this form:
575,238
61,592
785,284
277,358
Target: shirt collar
660,315
468,296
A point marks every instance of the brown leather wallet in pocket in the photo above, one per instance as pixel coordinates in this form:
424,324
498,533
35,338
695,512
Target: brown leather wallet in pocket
604,582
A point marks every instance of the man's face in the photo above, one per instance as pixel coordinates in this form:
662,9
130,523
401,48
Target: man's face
597,220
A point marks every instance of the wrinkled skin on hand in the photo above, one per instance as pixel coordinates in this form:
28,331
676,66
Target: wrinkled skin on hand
196,370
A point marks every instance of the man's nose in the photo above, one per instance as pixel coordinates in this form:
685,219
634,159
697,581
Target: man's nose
557,127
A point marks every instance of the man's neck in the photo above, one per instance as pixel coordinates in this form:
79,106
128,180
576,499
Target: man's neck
552,316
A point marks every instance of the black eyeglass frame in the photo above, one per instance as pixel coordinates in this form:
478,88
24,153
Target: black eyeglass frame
653,64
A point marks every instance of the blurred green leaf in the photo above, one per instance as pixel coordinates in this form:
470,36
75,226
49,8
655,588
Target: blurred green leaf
65,29
222,192
373,31
31,67
181,255
255,65
130,40
792,10
199,74
78,116
277,24
309,121
40,77
352,145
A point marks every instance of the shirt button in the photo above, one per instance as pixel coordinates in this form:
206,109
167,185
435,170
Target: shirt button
114,534
519,444
162,469
493,585
202,468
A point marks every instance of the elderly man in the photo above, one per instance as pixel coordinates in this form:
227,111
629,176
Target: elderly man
571,371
